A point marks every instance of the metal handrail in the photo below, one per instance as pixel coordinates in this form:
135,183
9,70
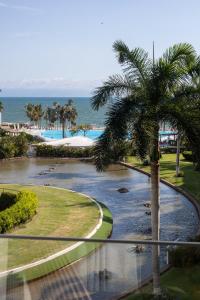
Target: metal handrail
96,240
7,189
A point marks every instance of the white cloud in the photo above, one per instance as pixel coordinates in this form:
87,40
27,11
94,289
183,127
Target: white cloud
50,83
19,7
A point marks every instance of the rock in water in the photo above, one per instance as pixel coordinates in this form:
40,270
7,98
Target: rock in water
123,190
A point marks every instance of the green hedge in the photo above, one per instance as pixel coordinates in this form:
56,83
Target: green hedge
6,200
185,256
188,155
23,210
63,151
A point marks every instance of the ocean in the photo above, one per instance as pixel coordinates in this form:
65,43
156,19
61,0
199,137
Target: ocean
14,110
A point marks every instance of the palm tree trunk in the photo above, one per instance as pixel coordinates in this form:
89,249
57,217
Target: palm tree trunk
63,129
178,155
155,211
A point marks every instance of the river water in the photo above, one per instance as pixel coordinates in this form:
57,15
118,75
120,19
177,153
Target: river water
125,268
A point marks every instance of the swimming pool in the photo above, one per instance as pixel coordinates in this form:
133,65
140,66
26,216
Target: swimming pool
57,134
92,134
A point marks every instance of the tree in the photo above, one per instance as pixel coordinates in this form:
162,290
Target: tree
67,112
51,114
1,109
143,95
34,113
21,144
82,127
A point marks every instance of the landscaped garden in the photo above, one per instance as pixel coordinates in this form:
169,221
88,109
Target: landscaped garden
60,212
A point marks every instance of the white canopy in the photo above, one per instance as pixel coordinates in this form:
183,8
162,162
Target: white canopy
75,141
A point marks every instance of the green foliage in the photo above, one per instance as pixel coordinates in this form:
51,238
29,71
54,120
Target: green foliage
147,93
21,144
146,163
168,150
33,138
2,132
24,209
7,147
13,146
188,155
62,151
185,256
6,200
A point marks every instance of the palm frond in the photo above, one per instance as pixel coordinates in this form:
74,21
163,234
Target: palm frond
179,52
109,145
116,85
136,61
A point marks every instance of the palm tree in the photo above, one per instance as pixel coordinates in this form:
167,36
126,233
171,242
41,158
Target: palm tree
34,113
51,115
72,113
1,109
29,109
67,112
143,95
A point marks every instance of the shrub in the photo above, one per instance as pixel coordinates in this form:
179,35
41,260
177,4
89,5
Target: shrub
185,256
145,162
62,151
188,155
168,150
21,144
6,200
23,210
7,147
13,146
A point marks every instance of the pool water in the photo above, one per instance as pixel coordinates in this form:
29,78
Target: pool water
57,134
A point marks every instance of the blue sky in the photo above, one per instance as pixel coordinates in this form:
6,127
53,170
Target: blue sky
64,47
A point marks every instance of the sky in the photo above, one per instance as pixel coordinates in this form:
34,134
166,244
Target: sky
64,47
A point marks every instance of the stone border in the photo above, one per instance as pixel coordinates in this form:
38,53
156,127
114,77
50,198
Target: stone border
64,251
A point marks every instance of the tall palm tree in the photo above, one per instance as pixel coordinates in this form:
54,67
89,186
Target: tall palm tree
72,113
29,109
34,113
67,112
1,109
143,95
51,115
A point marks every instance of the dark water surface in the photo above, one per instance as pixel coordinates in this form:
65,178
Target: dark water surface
179,219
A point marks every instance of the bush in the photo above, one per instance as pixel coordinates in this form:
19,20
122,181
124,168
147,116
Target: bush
13,146
6,200
62,151
185,256
145,162
33,138
7,147
188,155
23,210
168,150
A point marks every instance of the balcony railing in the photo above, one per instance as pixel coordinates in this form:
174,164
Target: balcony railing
36,267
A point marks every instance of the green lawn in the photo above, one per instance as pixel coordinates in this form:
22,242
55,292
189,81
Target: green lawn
184,283
60,213
191,180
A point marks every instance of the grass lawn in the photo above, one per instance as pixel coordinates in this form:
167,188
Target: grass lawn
184,283
191,180
60,213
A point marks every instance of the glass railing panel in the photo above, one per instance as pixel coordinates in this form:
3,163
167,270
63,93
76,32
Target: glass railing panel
82,270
